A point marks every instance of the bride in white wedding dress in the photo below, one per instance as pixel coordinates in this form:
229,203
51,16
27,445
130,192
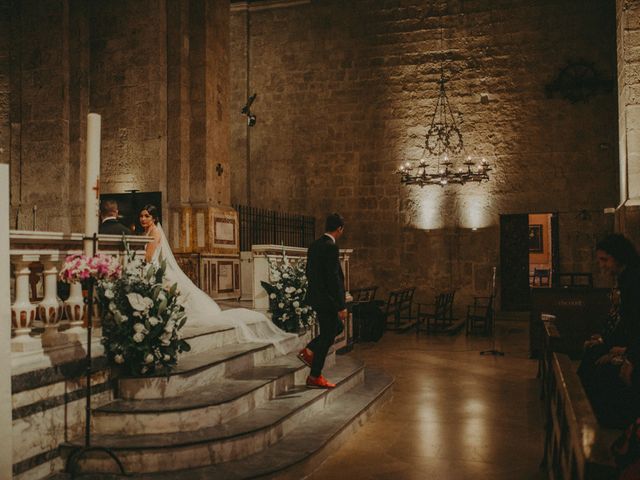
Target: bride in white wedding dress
201,310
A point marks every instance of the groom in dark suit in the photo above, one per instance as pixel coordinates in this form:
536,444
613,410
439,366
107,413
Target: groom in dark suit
109,215
326,295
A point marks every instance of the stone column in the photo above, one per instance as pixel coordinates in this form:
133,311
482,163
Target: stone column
209,179
5,74
50,308
628,37
23,312
6,452
75,309
178,115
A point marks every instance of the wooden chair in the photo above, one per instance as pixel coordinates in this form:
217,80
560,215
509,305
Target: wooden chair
438,316
575,280
363,295
362,298
399,307
541,276
480,315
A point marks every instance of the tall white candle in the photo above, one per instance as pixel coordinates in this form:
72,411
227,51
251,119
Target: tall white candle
6,452
92,184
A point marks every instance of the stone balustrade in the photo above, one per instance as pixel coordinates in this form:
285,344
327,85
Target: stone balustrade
38,316
255,269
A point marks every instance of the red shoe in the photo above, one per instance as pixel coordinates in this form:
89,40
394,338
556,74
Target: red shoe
319,382
306,356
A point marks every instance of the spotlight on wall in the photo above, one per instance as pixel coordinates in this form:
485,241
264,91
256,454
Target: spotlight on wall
246,110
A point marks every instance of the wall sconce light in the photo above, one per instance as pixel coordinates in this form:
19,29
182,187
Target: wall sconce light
246,110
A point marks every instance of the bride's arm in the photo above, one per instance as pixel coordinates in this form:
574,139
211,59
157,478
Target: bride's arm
151,247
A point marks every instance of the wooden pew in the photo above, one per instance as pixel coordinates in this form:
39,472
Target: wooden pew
576,447
398,311
580,312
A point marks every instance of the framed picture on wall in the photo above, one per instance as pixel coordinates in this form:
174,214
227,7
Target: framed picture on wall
535,239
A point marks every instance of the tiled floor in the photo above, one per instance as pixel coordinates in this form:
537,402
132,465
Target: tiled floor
454,414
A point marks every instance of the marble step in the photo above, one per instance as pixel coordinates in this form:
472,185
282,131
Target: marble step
201,339
297,453
240,437
197,371
203,407
204,338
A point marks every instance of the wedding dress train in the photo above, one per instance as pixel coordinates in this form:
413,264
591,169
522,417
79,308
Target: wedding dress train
203,312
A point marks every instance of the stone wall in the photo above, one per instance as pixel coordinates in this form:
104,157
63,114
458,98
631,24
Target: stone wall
345,94
628,53
129,88
164,105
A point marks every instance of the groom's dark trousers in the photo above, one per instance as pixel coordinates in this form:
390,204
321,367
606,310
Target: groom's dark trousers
330,326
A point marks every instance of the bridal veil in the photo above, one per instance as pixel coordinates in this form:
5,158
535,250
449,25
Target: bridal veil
203,311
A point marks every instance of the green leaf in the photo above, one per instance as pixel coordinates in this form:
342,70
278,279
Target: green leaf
268,287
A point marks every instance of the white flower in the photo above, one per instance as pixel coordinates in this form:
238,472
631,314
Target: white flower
153,321
169,326
148,358
138,337
139,328
166,357
112,307
281,305
165,339
144,370
119,358
285,275
296,304
139,303
299,290
298,311
109,294
273,295
290,289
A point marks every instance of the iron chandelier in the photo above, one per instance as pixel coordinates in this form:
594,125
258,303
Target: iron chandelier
442,143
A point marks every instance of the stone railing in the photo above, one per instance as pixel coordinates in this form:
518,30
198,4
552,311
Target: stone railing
255,269
38,317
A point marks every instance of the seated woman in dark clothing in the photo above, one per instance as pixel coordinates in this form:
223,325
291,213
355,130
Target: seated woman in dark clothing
607,384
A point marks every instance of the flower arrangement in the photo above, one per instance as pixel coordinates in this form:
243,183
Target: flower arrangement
287,294
141,319
80,268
